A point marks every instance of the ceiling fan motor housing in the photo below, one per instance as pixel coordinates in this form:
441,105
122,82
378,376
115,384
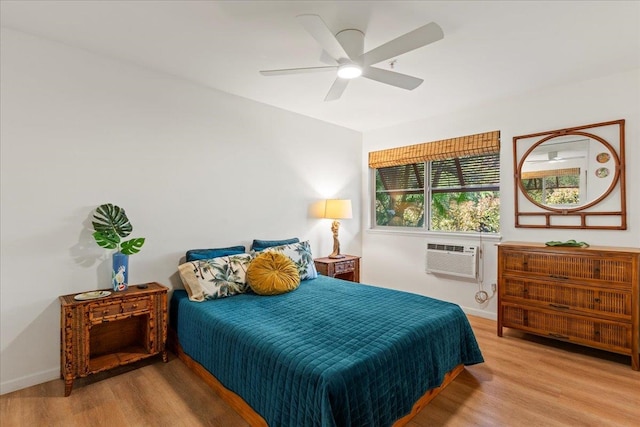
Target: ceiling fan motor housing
352,41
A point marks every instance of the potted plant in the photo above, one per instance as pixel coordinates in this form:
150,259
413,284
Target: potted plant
111,225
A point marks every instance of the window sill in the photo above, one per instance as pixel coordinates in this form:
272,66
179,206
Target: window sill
489,237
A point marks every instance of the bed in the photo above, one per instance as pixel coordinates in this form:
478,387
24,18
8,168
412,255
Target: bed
330,353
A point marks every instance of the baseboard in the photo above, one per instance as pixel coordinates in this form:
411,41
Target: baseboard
480,313
29,380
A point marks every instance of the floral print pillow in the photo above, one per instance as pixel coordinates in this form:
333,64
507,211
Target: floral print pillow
300,254
215,278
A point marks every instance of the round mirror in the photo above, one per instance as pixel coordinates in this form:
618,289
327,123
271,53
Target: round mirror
569,172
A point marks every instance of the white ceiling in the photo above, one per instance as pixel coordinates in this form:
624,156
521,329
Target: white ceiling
491,49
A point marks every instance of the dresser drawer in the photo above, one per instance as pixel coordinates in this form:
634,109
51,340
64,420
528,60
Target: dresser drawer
568,297
100,311
345,266
120,308
580,329
142,304
611,271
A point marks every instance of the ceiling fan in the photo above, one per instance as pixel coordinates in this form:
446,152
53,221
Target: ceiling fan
345,53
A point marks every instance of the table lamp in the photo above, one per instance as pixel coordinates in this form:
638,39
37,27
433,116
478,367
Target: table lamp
336,209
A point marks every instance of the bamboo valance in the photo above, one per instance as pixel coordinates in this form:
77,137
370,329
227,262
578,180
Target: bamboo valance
482,143
551,172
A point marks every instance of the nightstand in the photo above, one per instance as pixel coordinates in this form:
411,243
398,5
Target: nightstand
347,268
103,333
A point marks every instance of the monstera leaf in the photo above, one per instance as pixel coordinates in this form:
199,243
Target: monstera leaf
106,239
570,243
111,225
111,219
132,246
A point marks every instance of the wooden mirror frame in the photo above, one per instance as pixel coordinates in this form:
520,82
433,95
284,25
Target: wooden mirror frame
530,214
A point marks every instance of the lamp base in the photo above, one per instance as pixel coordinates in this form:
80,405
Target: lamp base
336,256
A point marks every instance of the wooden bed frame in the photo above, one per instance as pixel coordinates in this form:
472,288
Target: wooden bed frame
254,419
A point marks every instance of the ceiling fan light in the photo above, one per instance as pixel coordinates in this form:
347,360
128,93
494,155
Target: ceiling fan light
349,71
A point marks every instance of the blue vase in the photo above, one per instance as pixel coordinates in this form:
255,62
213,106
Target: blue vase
120,272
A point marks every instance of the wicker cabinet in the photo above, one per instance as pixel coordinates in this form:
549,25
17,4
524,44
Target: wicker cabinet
587,296
346,268
100,334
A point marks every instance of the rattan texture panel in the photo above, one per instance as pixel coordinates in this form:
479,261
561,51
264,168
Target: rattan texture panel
570,267
470,145
571,296
557,325
551,172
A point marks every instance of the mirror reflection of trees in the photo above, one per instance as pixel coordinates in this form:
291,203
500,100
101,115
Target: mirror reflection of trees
553,190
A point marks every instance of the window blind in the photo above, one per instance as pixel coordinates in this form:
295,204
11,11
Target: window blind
404,179
552,172
476,172
470,145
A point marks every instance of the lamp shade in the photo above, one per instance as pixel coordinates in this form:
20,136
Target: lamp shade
338,209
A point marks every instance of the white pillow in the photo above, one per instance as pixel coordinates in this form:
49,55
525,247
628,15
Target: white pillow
300,254
215,278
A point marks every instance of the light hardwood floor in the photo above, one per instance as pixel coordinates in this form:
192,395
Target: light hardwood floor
525,381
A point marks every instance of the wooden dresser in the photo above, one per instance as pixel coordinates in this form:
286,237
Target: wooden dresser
122,328
587,296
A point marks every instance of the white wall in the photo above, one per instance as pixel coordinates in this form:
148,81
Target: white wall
397,260
196,167
193,168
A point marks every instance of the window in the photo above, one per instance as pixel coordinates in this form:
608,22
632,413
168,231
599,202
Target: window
462,191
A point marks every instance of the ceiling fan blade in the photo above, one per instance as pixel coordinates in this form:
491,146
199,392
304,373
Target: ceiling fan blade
297,70
392,78
412,40
325,58
338,87
319,30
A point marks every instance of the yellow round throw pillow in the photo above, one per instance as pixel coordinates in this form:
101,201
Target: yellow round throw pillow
272,273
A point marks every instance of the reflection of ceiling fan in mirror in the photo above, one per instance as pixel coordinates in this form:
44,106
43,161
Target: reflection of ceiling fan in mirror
345,53
552,156
559,149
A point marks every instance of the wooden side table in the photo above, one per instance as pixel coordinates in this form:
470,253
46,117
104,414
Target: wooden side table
347,268
103,333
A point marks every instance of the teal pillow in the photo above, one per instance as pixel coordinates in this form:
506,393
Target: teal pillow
260,245
197,254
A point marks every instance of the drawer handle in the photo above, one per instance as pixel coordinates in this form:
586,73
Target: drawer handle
105,311
563,337
135,306
597,300
561,306
557,276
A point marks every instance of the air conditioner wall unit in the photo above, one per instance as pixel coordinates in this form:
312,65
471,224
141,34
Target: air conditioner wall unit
454,260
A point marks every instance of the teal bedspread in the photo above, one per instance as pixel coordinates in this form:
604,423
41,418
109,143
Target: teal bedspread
331,353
